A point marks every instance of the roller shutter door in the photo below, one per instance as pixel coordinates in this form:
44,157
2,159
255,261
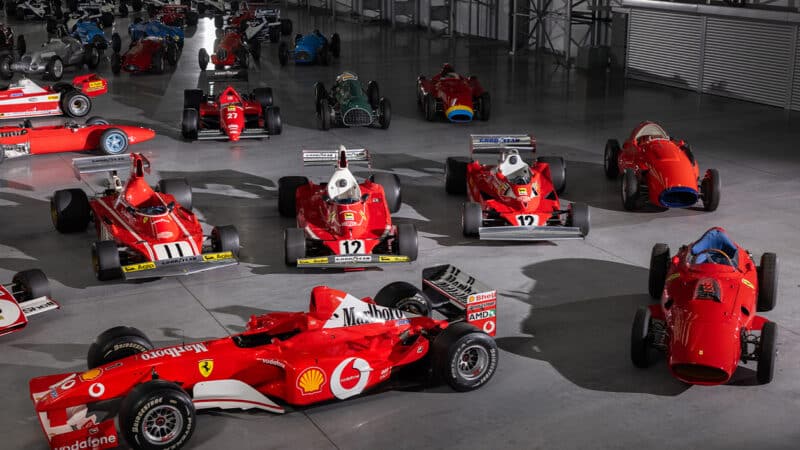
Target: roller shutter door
796,81
665,48
748,60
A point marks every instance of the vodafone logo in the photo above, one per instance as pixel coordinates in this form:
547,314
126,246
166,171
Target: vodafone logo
350,378
488,327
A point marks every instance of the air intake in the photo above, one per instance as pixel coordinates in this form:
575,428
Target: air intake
357,117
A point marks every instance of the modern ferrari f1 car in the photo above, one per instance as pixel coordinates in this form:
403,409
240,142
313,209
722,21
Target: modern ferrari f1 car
458,98
54,55
25,98
230,115
27,295
341,223
147,55
232,51
341,347
659,169
349,104
143,232
312,48
514,200
96,135
707,321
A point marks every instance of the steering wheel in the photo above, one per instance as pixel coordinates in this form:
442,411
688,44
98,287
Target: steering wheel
718,251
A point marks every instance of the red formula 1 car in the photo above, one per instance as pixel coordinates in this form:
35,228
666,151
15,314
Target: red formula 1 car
232,51
27,295
458,98
343,346
149,54
97,134
230,115
659,169
706,323
25,98
514,200
143,232
342,223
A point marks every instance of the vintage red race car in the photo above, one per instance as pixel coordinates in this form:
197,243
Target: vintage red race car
458,98
659,169
97,134
342,347
25,98
514,200
230,115
149,54
27,295
342,223
232,51
174,15
143,232
706,322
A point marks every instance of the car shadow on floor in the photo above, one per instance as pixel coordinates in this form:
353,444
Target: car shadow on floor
580,321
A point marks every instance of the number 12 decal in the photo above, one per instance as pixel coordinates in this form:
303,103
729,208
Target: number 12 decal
351,247
527,220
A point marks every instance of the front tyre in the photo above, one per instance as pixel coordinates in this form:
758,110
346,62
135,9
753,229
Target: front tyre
455,175
157,415
30,284
767,282
294,244
766,353
463,357
641,350
225,239
113,141
75,103
659,266
405,297
611,159
287,194
710,189
105,258
70,210
117,343
580,217
471,219
407,241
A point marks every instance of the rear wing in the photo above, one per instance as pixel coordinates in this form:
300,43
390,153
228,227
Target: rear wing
340,157
460,296
112,163
493,144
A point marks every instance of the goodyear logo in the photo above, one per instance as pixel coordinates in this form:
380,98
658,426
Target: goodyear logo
311,381
138,267
522,191
349,216
52,97
320,260
217,256
393,258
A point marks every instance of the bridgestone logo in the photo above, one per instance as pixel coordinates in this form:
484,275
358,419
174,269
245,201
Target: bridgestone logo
372,314
90,443
174,351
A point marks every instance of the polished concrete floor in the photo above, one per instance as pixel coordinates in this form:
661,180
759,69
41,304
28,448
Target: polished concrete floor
564,381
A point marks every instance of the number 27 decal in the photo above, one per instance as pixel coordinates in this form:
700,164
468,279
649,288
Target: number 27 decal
527,220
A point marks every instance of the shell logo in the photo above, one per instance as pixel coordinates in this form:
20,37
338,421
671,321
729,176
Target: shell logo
311,381
91,374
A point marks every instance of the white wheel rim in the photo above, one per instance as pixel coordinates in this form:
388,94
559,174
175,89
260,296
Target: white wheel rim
473,362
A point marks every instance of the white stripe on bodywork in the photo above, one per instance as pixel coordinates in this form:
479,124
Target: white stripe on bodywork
184,231
129,229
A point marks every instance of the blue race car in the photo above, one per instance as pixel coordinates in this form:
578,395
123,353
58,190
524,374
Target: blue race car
310,49
88,32
153,28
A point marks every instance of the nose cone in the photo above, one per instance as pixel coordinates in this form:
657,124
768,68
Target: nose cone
704,353
459,113
678,197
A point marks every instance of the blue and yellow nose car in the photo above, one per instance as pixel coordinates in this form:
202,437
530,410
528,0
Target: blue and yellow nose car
312,48
153,28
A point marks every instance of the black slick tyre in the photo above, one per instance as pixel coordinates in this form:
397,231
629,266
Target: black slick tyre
463,357
611,159
405,297
287,191
70,211
641,350
294,245
225,238
659,266
272,121
75,104
580,217
117,343
105,259
190,123
407,241
30,284
471,219
392,189
455,175
767,282
179,188
150,402
629,187
766,353
558,171
710,190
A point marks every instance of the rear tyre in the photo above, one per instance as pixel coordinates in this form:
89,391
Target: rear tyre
105,258
484,106
283,53
558,171
91,56
455,175
336,45
611,159
385,113
96,120
203,58
373,94
429,107
117,343
324,117
263,96
75,103
22,47
179,188
766,353
471,219
225,239
767,282
407,241
189,124
5,67
319,94
287,195
392,189
294,245
54,69
70,211
463,357
580,217
159,62
630,190
116,63
158,403
272,121
659,266
113,141
405,297
642,353
30,284
710,189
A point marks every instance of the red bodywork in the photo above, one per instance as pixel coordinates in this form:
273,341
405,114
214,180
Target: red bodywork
172,15
65,138
25,98
160,235
229,50
454,94
14,313
666,166
707,309
232,113
340,348
139,58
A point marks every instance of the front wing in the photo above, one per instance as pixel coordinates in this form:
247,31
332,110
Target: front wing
186,265
351,261
528,233
209,135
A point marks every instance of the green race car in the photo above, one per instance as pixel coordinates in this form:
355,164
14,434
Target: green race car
349,104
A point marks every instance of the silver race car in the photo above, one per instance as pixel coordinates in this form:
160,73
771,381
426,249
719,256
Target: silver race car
50,60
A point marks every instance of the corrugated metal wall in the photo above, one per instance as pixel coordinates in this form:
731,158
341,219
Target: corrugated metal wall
742,58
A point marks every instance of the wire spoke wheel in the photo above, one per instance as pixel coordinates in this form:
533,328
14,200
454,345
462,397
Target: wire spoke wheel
162,424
